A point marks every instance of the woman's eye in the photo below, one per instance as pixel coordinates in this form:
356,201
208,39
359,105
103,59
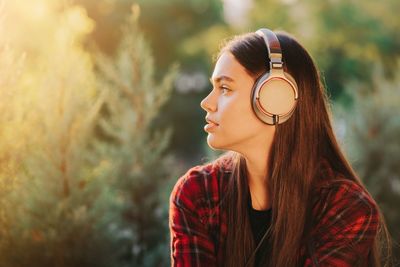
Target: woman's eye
224,88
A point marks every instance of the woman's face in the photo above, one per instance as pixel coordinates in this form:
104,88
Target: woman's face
229,106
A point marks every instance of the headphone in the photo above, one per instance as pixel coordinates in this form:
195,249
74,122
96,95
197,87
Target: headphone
274,94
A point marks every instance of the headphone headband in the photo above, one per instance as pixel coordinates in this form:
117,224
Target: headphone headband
273,46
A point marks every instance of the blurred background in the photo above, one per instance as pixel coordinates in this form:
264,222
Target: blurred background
100,114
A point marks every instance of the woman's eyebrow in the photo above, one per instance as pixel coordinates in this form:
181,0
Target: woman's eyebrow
221,78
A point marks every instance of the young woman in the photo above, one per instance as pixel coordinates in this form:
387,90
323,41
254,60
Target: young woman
283,194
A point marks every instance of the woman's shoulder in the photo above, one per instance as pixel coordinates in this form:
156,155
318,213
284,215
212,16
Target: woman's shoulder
335,188
345,222
195,179
342,189
202,182
345,203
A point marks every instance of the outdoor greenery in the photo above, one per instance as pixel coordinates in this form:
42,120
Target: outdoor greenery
100,114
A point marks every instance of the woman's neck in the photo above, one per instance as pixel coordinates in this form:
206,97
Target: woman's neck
258,184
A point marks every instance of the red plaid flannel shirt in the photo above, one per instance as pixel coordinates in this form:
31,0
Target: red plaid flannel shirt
346,221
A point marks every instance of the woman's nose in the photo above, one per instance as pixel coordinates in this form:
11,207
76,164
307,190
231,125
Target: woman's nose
207,104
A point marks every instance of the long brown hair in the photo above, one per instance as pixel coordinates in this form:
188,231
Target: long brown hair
298,148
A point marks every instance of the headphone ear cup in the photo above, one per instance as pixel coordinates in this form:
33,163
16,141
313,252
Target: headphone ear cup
273,99
276,96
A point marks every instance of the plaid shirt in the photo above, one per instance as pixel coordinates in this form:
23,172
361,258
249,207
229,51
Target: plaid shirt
346,221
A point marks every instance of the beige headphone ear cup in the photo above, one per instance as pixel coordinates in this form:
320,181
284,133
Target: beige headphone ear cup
273,98
276,97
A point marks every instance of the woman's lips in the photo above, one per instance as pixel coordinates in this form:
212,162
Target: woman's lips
210,126
210,121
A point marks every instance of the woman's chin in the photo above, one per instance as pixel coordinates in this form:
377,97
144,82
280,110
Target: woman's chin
213,143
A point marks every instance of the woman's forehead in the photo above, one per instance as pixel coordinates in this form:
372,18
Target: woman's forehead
228,68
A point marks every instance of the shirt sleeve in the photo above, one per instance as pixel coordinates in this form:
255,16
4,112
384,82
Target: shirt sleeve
346,229
191,244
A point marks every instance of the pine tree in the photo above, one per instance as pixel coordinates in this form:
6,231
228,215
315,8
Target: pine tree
83,169
59,208
137,146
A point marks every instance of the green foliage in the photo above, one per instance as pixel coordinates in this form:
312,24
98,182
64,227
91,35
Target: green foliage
272,14
138,146
82,160
58,203
183,31
186,31
350,38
